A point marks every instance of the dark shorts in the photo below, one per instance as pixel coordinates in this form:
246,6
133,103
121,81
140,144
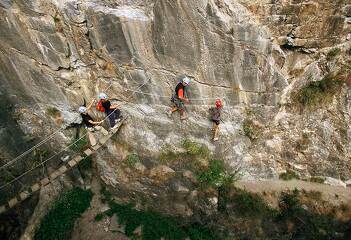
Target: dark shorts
113,115
216,122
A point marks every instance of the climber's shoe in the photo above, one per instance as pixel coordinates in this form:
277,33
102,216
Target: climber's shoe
169,113
215,139
115,126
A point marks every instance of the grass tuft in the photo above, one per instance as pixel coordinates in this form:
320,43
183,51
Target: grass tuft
289,175
132,159
195,149
58,223
333,53
317,179
249,129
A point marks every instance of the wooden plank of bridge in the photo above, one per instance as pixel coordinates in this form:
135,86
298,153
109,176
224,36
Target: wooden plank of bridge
103,140
44,181
12,202
72,163
54,175
88,152
24,195
78,159
96,147
62,169
2,209
35,187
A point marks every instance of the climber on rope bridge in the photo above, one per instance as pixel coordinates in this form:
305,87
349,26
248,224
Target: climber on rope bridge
89,122
111,110
215,113
180,97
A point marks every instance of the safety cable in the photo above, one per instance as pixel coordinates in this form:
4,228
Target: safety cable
165,96
9,163
66,148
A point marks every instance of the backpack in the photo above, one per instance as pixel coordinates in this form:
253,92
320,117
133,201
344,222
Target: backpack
99,107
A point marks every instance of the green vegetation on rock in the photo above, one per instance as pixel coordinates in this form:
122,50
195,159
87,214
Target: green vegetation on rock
154,225
53,112
249,205
216,174
249,129
317,179
78,145
132,159
58,223
319,92
195,149
289,175
333,53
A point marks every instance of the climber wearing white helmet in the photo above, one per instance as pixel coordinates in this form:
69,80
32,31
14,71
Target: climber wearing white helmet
180,97
89,122
87,119
111,110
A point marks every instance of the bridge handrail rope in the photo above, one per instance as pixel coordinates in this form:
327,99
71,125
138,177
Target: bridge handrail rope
66,148
30,150
53,134
9,163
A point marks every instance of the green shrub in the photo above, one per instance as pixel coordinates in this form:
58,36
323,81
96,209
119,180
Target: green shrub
155,225
195,149
79,145
37,157
250,205
306,224
319,92
249,129
317,179
85,164
99,217
132,159
58,223
216,175
106,196
288,175
333,53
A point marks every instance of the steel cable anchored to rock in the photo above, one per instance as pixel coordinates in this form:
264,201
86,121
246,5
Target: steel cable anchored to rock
24,195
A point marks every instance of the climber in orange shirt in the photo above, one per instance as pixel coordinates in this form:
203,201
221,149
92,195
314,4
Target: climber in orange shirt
180,97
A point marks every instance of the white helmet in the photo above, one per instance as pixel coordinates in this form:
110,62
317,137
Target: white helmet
102,96
186,80
82,109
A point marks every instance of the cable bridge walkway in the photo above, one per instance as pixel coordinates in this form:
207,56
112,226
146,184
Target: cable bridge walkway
62,169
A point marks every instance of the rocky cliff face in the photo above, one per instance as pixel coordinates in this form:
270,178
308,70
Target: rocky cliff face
255,55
